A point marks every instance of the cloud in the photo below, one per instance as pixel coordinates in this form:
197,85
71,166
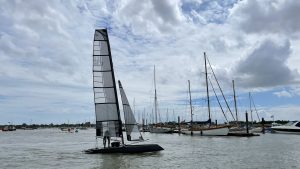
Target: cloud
279,16
47,47
266,66
283,93
148,18
283,112
206,11
43,42
42,48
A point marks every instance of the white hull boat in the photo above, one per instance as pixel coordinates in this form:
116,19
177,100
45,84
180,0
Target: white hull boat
213,131
289,128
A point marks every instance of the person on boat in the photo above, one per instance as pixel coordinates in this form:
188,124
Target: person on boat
106,137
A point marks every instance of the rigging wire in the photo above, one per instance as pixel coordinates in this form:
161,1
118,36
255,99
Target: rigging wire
255,108
220,89
217,99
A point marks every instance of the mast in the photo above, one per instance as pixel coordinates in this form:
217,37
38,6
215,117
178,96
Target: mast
220,89
207,92
250,108
174,115
155,98
191,107
234,97
115,90
167,115
134,107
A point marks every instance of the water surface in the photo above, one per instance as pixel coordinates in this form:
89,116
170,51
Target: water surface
51,148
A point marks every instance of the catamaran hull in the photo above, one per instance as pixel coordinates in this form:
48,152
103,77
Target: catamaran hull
208,132
126,149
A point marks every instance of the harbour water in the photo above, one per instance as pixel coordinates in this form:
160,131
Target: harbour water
51,148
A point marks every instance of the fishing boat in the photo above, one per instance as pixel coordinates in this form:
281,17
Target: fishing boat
108,119
289,128
208,130
158,128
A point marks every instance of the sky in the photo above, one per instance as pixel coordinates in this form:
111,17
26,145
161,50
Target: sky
46,57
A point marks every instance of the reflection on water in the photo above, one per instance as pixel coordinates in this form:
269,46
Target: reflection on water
51,148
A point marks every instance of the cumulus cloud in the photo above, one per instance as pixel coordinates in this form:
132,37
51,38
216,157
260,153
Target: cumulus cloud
42,47
283,93
254,16
43,41
47,46
266,66
149,18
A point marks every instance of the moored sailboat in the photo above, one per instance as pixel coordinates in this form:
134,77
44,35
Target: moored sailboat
210,130
108,119
158,128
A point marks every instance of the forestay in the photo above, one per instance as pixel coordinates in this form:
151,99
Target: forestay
105,93
131,126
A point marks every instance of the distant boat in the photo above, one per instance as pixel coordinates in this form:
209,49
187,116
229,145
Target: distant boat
289,128
68,129
210,130
157,128
108,118
9,128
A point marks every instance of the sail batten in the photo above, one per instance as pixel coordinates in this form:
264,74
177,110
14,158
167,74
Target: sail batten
105,93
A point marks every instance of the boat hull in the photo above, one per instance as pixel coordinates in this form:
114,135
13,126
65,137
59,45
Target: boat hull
161,130
290,128
142,148
220,131
286,131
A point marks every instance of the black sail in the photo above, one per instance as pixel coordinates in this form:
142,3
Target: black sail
105,93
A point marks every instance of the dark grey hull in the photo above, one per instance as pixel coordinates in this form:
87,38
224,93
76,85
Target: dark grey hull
286,130
126,149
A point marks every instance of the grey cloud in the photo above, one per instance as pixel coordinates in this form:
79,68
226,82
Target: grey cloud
166,11
268,16
266,66
144,17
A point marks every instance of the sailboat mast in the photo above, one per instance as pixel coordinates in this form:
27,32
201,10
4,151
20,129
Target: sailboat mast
207,92
167,115
250,108
234,97
115,89
191,107
155,98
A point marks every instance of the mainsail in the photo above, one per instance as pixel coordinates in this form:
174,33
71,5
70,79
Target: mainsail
131,126
105,93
